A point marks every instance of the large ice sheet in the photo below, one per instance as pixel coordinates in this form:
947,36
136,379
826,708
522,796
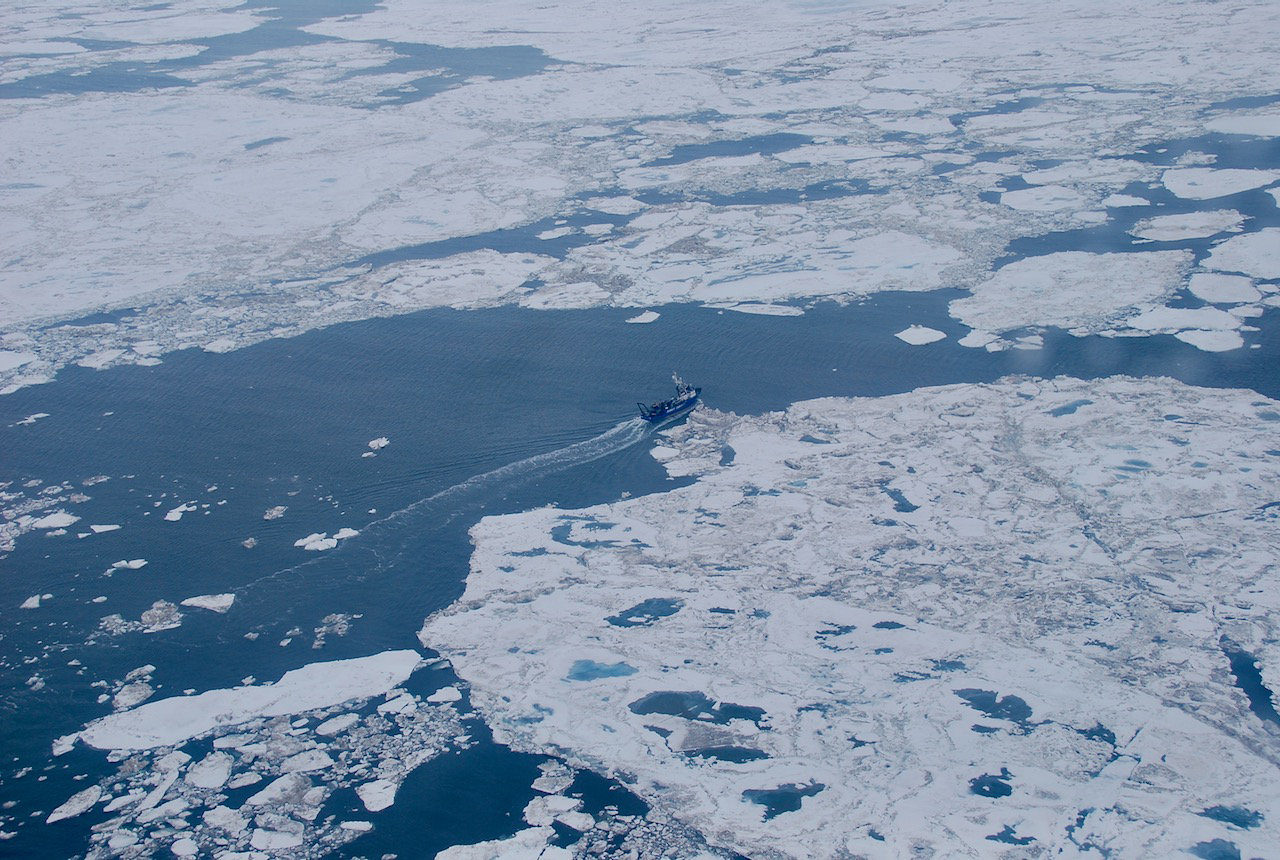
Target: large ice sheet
828,134
171,721
927,623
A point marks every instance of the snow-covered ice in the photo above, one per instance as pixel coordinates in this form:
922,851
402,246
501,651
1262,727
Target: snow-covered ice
1196,225
917,335
271,186
971,610
213,602
318,685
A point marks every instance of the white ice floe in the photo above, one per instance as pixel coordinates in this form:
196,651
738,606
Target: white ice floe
1255,254
1206,183
1044,198
176,514
646,317
1194,225
56,520
909,624
77,804
379,443
378,794
1072,290
764,309
320,541
917,335
318,685
1211,340
1258,125
219,603
1223,289
530,844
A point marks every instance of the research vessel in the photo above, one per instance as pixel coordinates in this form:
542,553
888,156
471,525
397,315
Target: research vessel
686,397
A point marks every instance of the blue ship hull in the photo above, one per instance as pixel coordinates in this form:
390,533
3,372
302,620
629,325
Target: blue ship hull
686,398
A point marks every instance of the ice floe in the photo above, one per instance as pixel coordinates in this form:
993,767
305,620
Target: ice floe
318,685
1073,290
1195,225
917,335
646,317
971,612
1255,254
213,602
1260,125
1206,183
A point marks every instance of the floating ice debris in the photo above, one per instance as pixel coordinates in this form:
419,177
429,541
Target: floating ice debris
77,804
916,335
212,771
1206,183
1044,198
1072,290
32,602
531,844
56,520
1257,125
275,513
222,344
213,602
379,443
1255,254
100,529
134,564
320,541
900,571
378,794
171,721
646,317
31,419
132,694
765,309
1211,341
1223,289
1194,225
176,514
1173,319
445,694
344,533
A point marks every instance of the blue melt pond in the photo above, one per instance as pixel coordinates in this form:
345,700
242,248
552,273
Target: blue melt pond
1067,409
646,612
694,706
1218,849
991,785
590,670
1246,819
784,798
1001,708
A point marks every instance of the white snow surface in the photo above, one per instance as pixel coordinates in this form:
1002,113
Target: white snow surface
237,217
171,721
1024,584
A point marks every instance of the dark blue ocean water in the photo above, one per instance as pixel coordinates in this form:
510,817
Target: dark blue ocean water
459,394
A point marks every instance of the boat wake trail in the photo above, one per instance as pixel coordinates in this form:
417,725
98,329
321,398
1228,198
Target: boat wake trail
403,537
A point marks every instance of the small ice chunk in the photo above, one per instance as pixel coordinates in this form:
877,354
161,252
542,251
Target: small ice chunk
213,602
336,724
78,803
132,694
275,513
316,542
284,789
357,826
274,840
378,794
56,520
226,818
445,694
1212,341
916,335
212,771
184,847
306,761
176,514
100,529
32,602
134,564
343,534
646,317
379,443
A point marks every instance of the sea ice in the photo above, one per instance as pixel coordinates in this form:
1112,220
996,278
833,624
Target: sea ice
975,608
646,317
77,804
213,602
1255,254
170,721
1206,183
1195,225
1044,198
1072,289
917,335
1223,289
1258,125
